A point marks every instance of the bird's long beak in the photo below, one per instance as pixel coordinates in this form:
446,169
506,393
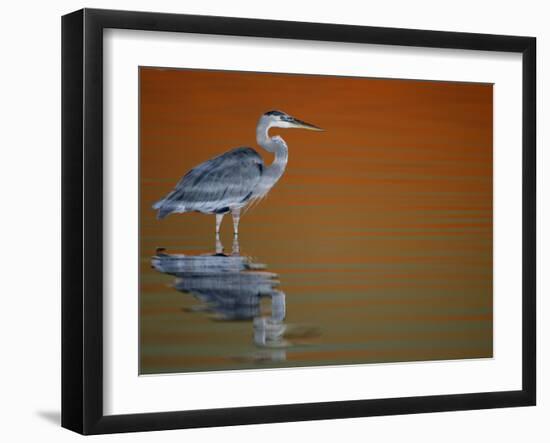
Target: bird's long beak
303,125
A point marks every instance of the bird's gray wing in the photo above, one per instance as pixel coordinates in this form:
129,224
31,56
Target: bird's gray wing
215,185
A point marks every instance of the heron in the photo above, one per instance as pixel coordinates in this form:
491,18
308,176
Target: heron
233,180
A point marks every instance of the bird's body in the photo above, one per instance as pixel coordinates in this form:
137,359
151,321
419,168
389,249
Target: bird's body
217,186
231,181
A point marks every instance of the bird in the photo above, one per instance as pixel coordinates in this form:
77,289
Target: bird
233,180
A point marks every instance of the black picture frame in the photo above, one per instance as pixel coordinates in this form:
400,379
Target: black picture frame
82,220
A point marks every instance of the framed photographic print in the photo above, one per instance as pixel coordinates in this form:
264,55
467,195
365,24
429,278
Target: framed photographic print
269,221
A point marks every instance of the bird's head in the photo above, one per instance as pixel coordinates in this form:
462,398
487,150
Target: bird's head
279,119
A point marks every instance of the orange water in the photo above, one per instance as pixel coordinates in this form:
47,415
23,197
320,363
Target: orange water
379,232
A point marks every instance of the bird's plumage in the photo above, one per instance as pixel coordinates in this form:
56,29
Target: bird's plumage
232,180
217,185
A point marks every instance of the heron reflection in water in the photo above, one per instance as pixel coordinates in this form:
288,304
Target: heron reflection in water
231,288
235,179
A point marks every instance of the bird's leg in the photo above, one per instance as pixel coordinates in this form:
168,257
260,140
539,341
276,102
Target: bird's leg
219,218
236,213
219,246
236,250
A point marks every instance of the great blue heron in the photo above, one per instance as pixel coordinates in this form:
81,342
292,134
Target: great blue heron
231,181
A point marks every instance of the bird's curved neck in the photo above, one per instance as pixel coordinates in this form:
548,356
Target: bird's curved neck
277,146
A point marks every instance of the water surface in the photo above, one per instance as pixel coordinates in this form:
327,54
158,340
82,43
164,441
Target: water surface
375,246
